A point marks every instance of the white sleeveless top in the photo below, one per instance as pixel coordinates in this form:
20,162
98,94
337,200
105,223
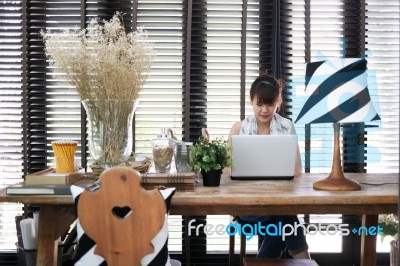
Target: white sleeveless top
279,126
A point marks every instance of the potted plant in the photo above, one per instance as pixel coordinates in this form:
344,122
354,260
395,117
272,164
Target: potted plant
390,227
210,157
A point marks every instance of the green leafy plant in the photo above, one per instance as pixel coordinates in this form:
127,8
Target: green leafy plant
207,155
390,225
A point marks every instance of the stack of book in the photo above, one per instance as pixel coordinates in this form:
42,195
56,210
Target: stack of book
47,182
180,181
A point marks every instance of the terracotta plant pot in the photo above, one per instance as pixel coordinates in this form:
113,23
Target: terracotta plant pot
211,178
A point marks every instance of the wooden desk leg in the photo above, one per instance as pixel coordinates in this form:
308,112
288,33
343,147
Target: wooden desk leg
368,243
53,221
187,239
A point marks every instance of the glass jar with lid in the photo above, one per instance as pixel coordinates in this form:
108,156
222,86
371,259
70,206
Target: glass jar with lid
163,151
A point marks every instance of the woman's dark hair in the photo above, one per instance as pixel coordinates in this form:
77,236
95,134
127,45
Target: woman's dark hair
267,89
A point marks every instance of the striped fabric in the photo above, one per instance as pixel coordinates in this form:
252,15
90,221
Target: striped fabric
337,92
85,253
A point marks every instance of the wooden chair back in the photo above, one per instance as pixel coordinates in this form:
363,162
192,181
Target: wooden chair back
122,217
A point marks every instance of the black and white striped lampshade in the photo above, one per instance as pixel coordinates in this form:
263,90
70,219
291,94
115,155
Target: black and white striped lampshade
337,92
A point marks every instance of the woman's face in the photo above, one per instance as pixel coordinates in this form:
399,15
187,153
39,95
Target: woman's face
264,112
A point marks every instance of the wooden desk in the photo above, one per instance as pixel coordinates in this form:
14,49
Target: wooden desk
379,195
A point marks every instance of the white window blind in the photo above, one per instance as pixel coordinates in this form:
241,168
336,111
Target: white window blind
382,43
11,144
56,100
253,48
160,103
223,65
224,55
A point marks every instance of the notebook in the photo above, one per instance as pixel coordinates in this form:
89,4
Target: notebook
263,157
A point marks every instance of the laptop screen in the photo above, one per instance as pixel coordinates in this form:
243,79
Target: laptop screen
266,157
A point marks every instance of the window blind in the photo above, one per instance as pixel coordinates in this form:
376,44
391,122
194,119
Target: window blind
54,103
382,44
161,99
11,104
233,56
223,48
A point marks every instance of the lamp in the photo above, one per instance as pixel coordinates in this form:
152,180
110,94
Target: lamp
337,92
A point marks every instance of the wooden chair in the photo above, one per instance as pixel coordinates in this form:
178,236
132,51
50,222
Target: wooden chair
243,241
279,262
124,219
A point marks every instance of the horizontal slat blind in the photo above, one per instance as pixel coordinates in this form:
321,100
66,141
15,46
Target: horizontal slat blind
382,43
223,46
258,45
161,99
326,42
11,144
54,103
224,51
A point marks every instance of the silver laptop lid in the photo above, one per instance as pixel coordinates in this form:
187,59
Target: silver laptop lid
263,156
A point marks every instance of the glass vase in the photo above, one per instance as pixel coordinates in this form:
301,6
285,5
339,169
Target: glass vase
110,134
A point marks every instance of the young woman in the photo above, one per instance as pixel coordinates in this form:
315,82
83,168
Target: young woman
266,98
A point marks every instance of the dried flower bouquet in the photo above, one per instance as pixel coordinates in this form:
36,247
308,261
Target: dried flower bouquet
104,63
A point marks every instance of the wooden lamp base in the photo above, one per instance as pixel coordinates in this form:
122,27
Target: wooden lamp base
337,184
336,181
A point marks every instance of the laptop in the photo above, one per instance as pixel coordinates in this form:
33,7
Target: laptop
263,157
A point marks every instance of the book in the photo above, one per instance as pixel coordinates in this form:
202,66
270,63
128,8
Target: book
47,189
50,177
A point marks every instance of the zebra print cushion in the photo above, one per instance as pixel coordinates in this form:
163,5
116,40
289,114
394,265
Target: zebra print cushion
86,246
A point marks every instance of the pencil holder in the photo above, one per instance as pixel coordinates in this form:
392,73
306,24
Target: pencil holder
65,164
64,151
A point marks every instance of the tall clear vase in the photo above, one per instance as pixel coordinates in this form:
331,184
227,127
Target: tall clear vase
110,130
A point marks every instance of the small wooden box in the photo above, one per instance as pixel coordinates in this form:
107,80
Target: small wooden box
50,177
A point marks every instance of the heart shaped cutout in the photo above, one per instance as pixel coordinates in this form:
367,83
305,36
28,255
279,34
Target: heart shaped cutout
121,212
